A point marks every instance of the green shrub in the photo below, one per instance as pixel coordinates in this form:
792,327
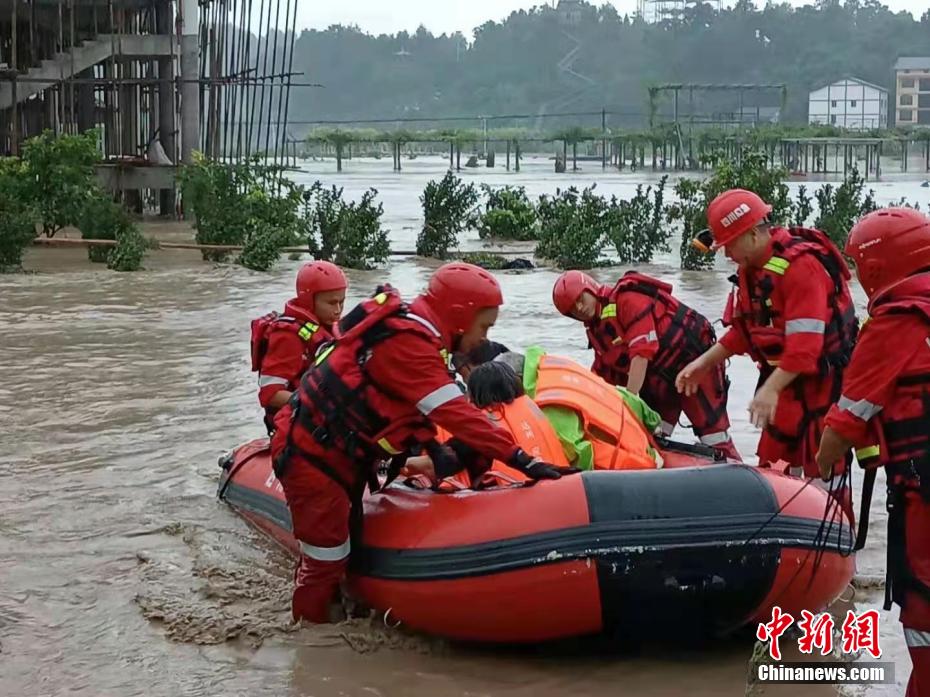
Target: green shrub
102,218
635,226
347,233
508,215
248,204
58,171
18,216
448,210
839,207
572,228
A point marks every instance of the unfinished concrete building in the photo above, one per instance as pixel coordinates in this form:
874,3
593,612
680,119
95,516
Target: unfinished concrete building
159,79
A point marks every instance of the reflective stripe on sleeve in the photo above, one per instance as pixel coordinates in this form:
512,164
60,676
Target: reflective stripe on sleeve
337,553
861,409
805,325
651,336
438,397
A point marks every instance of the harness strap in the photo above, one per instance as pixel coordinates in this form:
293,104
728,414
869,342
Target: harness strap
868,485
900,576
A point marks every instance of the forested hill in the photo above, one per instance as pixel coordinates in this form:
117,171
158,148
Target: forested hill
539,61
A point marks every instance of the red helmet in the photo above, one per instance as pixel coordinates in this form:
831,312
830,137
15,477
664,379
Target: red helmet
457,292
569,287
888,245
733,213
318,277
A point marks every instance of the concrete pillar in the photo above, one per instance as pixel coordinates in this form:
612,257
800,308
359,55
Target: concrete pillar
190,72
166,106
86,109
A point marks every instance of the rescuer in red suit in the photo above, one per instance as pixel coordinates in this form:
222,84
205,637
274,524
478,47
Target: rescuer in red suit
374,394
642,337
884,409
792,312
283,345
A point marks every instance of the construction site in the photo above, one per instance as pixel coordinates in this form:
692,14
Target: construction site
157,79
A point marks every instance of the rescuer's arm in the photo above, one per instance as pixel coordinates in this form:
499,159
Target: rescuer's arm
411,369
281,366
691,376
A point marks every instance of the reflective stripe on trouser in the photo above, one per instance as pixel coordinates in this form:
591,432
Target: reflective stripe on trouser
916,638
327,553
713,439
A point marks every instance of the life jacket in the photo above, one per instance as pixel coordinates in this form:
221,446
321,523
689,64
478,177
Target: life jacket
274,321
530,428
902,428
342,408
619,440
750,308
683,333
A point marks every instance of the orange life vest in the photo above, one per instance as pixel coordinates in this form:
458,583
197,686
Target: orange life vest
619,440
530,429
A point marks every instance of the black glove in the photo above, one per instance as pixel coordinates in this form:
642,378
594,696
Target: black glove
537,469
445,460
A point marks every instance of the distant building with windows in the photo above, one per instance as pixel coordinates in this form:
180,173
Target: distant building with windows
912,91
849,103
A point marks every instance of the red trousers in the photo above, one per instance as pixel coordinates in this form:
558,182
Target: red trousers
794,436
320,514
915,615
706,410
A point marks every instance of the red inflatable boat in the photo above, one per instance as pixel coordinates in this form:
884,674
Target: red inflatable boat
688,549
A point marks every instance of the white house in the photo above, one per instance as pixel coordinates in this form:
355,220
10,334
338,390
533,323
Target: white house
849,103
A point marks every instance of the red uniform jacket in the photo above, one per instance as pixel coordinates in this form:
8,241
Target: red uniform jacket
288,355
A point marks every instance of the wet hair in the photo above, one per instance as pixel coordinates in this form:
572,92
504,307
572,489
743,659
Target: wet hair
517,361
485,352
494,383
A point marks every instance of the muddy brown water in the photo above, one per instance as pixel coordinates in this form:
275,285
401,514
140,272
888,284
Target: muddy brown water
120,573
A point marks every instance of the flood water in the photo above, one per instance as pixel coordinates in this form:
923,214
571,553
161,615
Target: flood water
120,573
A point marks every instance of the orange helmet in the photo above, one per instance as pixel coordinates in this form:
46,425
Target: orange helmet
887,246
457,292
734,213
569,287
318,277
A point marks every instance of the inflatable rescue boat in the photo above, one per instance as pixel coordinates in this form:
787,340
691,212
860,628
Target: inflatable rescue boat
704,549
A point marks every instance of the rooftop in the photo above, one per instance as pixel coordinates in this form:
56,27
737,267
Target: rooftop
913,63
854,79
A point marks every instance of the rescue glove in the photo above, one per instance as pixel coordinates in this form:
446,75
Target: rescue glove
445,459
534,468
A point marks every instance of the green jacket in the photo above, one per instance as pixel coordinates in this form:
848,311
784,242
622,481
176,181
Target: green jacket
567,423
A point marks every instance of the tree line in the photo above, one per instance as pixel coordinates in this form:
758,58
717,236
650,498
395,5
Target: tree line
518,66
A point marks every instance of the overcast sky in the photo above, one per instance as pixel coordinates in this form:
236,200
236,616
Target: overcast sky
390,16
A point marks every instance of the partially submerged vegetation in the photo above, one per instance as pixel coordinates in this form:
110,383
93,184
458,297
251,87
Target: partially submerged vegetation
54,186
